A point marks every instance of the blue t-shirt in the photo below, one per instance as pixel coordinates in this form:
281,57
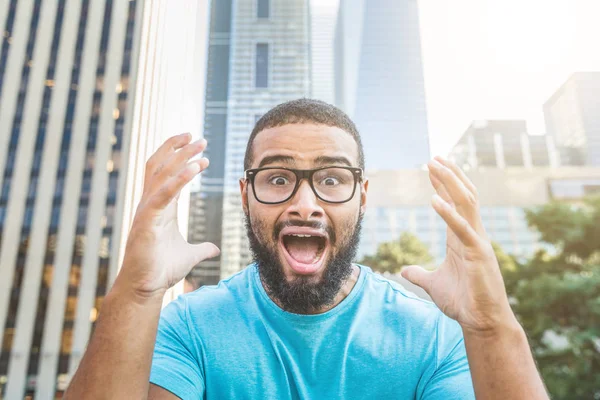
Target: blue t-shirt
231,341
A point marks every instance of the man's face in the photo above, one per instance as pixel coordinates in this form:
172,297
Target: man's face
304,246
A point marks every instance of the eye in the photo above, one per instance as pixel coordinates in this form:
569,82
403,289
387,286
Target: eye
278,181
330,181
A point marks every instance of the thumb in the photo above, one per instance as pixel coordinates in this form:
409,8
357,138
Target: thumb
418,276
203,251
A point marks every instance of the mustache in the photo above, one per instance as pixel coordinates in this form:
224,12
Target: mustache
304,224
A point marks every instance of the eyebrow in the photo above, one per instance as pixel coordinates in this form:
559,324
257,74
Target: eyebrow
321,160
276,158
325,160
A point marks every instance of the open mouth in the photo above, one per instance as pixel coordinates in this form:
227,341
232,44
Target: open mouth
304,251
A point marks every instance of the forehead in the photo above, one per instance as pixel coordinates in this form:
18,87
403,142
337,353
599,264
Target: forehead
304,142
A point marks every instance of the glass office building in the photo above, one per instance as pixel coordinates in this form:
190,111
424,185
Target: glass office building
379,80
259,56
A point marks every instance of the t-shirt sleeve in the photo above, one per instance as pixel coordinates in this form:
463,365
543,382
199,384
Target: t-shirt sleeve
451,379
175,364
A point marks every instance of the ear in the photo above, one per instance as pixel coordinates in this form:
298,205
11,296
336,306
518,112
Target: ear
364,187
244,193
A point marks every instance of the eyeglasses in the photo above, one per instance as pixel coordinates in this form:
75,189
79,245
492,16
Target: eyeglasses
275,185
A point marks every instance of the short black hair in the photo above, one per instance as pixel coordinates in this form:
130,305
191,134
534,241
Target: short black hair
305,111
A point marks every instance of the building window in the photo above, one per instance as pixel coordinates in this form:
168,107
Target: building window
262,65
262,8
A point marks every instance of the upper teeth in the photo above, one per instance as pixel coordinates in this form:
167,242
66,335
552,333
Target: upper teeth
299,235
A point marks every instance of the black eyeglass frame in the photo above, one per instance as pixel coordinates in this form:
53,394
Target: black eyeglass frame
307,174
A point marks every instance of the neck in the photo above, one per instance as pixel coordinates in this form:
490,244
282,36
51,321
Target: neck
344,290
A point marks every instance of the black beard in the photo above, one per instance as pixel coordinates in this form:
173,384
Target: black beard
303,295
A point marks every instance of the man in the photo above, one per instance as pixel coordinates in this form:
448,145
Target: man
303,322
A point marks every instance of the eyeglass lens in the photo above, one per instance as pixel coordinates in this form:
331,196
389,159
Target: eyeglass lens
330,184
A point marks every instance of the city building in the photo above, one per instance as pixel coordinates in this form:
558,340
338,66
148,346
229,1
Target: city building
572,116
259,56
201,224
323,14
206,207
88,90
502,144
379,80
400,201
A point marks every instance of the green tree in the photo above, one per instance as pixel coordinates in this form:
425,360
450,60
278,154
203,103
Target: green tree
392,256
556,296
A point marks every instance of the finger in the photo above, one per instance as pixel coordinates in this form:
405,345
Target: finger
451,240
176,161
165,151
204,251
439,188
459,225
203,162
171,188
459,172
418,276
459,194
471,213
464,200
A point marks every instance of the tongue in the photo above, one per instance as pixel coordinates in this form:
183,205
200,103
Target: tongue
303,250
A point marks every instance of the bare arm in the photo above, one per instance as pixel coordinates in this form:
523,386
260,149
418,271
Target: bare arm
502,366
469,288
118,359
158,393
117,362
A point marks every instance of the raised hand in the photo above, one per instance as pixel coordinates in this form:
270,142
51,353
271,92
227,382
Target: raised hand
157,256
468,286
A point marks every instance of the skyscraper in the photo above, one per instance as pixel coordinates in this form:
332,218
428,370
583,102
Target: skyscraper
572,116
206,217
259,56
379,80
77,122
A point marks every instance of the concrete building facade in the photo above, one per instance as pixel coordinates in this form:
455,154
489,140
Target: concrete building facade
400,201
503,144
323,15
82,86
572,116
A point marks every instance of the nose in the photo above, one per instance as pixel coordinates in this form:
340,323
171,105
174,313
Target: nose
305,204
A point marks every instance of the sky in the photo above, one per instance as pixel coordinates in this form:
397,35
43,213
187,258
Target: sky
499,59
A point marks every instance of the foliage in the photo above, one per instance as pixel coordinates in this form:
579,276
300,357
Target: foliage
557,297
392,256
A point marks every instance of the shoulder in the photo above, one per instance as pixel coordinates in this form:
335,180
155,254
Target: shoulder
408,311
391,293
211,300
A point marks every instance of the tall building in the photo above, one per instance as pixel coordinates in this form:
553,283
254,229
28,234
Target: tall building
82,85
572,116
323,14
259,56
400,201
501,144
206,217
379,80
